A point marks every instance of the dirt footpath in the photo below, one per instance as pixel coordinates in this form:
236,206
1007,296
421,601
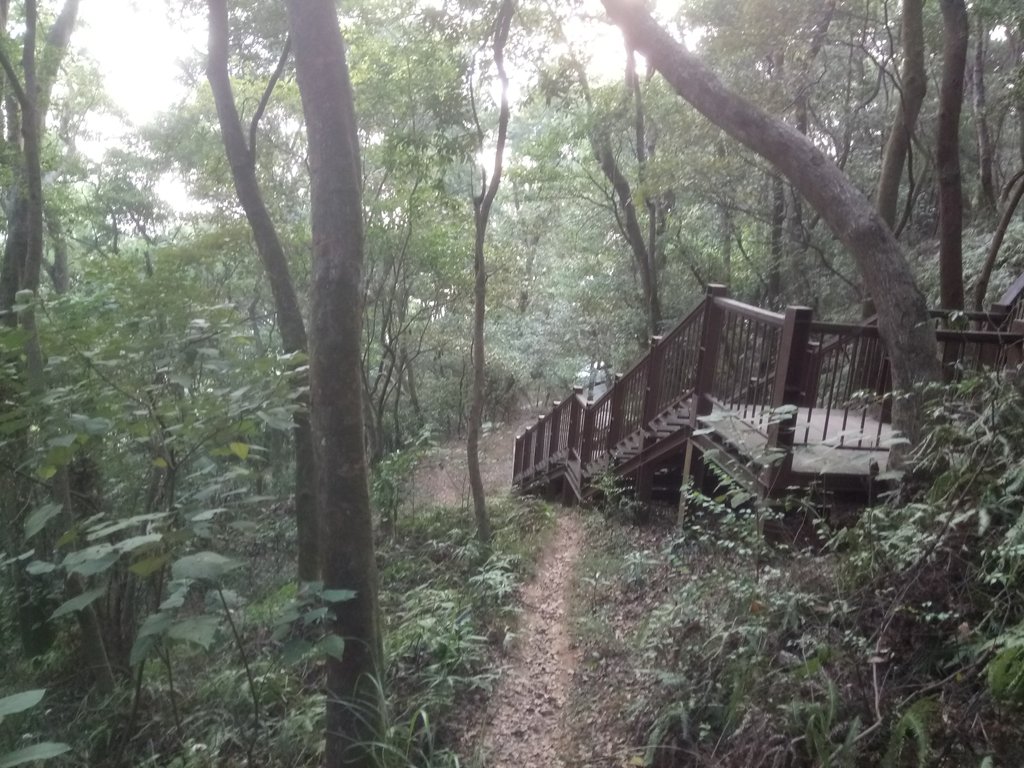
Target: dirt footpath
524,728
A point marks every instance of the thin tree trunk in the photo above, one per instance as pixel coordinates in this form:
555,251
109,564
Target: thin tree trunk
355,704
94,647
776,250
410,379
482,213
626,213
986,183
275,266
913,84
947,153
981,289
58,268
902,312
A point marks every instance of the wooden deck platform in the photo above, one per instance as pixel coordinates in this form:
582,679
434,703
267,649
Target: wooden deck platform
777,401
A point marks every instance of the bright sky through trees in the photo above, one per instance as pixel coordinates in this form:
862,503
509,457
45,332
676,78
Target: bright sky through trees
138,47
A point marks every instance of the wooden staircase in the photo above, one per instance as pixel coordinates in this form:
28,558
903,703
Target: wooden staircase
777,401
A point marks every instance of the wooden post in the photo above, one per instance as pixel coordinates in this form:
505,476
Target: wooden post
573,462
1014,351
707,361
575,415
707,358
555,427
790,379
587,439
655,363
538,439
517,458
529,452
615,415
812,375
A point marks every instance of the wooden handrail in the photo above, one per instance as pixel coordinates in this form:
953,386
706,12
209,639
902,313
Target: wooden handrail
750,311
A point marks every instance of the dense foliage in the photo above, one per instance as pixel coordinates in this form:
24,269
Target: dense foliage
799,636
148,404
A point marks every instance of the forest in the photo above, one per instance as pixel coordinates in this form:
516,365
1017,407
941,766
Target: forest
265,356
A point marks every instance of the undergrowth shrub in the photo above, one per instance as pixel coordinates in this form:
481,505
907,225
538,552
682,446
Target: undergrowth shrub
901,643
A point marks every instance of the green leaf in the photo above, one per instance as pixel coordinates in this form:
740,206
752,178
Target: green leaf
207,566
46,472
207,515
314,616
295,651
241,450
91,560
19,702
39,568
141,649
201,630
38,519
17,558
91,426
153,628
63,441
78,603
337,595
156,624
176,599
332,645
136,542
44,750
105,529
148,566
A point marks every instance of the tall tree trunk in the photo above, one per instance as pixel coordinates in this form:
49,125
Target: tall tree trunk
242,160
902,312
913,84
986,182
644,149
28,98
947,153
482,204
354,695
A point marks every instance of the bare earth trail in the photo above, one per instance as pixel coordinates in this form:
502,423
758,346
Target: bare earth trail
523,726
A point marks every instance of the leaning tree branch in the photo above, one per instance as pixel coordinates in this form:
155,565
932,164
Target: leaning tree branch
261,108
997,242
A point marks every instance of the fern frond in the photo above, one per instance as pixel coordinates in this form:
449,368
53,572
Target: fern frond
915,723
